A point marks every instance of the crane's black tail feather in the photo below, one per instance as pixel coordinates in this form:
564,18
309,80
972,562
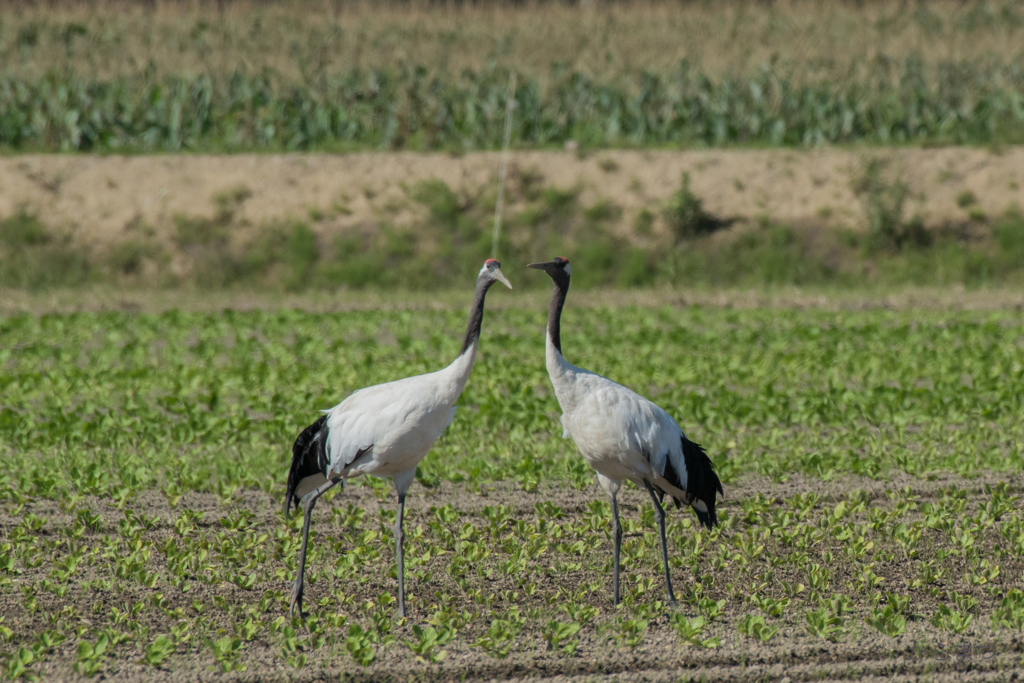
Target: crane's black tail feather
309,457
702,484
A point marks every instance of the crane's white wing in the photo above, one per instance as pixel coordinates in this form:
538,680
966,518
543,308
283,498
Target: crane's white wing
622,433
395,424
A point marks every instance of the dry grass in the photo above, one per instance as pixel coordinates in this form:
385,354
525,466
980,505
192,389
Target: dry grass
298,39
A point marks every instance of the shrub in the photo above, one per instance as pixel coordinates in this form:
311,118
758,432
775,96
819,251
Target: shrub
965,199
439,199
882,195
685,214
31,257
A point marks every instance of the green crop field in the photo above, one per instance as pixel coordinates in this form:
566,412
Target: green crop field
123,76
871,525
168,326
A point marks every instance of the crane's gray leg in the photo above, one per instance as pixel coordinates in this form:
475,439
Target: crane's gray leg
399,543
664,544
617,545
310,500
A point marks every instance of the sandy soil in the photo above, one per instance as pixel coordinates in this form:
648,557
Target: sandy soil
100,198
794,654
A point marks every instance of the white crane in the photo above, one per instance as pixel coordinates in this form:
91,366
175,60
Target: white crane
624,436
383,430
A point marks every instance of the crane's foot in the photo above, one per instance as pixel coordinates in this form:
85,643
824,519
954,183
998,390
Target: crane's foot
295,604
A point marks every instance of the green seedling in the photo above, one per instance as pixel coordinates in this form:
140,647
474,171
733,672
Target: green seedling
428,642
499,639
824,623
947,619
559,636
226,652
754,626
887,620
19,664
690,631
772,608
1010,613
162,647
711,609
92,656
631,631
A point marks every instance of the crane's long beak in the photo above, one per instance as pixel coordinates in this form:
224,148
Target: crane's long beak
500,277
539,266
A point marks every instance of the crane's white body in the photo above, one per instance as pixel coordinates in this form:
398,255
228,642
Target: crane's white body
621,434
386,430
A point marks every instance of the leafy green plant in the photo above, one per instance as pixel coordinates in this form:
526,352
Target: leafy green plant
710,608
631,631
499,639
92,656
691,630
427,643
226,652
771,607
1010,613
824,623
887,620
360,645
162,647
559,636
19,664
947,619
754,626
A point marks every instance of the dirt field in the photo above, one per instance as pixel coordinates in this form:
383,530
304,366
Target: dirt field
980,653
101,199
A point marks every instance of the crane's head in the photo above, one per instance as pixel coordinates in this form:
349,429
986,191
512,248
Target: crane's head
491,273
558,269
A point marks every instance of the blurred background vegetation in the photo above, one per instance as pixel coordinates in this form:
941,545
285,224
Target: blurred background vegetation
334,75
228,76
444,246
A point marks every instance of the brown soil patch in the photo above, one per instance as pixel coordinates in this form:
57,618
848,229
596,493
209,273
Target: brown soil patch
100,199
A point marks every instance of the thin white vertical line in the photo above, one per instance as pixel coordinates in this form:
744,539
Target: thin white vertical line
510,103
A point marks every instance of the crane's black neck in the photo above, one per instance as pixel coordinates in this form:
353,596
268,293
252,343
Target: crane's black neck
476,314
561,283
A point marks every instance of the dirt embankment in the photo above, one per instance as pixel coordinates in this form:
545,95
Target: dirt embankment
101,200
